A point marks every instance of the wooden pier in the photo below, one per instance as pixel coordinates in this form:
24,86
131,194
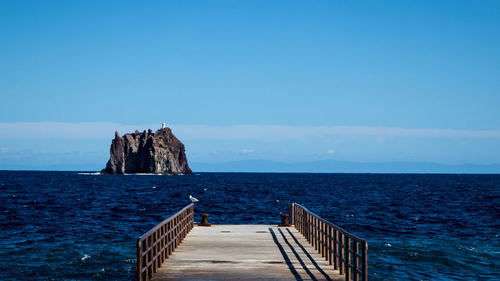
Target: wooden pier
310,249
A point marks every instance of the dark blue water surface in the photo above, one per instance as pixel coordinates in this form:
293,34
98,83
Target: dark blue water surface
71,226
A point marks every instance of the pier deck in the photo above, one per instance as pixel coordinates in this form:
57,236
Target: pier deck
312,248
245,252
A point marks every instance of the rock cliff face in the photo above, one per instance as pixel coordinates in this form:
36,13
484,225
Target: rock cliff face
147,152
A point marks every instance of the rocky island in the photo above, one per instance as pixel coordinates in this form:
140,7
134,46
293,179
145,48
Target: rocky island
147,152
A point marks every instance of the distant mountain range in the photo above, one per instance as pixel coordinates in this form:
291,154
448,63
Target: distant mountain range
332,166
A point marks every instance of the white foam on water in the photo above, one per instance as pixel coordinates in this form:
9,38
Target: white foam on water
91,174
143,174
85,256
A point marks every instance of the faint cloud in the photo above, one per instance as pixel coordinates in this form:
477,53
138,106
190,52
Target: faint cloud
4,150
283,133
65,130
268,133
247,151
331,151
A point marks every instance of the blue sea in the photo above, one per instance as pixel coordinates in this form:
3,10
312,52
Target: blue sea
80,226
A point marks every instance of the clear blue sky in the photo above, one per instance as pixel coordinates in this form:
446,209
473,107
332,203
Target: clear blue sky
430,66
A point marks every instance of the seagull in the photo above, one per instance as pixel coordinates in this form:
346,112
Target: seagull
193,199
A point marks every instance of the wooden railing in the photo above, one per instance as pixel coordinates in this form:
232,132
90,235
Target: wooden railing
156,245
348,253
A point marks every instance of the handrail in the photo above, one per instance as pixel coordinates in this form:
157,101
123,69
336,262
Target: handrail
348,253
156,245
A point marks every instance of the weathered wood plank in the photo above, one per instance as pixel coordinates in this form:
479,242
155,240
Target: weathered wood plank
245,252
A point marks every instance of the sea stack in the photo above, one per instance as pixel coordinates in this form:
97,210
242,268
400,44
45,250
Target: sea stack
147,152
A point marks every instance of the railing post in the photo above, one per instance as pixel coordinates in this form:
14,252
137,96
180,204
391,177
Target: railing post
311,219
327,241
355,260
154,249
323,230
166,241
323,243
341,253
315,233
330,245
306,224
320,238
169,238
303,222
336,249
325,237
183,224
308,228
310,222
348,258
147,257
162,244
158,249
364,271
176,233
139,259
301,219
315,244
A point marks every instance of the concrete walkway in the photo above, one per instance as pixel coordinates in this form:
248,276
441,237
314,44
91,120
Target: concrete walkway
245,252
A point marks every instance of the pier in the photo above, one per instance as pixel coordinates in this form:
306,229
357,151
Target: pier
309,248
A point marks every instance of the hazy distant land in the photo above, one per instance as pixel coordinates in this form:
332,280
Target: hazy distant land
332,166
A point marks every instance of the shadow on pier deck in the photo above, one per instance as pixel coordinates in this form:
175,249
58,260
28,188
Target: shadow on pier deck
312,249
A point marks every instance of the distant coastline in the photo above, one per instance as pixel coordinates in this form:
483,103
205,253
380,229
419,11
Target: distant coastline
333,166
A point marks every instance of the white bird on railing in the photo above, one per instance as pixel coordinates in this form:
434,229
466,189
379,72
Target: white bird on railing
193,199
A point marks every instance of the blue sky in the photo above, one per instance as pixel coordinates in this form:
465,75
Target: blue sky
289,81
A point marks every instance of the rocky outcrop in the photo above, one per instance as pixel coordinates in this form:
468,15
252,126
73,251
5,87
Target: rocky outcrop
147,152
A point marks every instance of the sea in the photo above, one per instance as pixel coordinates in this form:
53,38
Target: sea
84,226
